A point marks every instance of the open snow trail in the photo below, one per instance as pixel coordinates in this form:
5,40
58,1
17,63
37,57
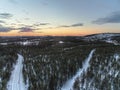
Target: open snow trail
69,84
16,81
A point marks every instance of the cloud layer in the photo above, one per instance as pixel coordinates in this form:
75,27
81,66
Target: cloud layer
26,29
77,25
41,24
5,15
5,29
73,25
112,18
1,21
12,1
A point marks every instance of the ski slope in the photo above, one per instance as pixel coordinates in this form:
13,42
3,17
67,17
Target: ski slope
16,81
69,84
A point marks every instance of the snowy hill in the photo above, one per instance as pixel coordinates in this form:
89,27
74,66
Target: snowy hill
107,37
102,36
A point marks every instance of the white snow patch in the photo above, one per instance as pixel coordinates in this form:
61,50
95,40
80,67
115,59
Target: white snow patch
25,43
69,84
117,57
61,42
112,41
116,74
33,71
4,68
27,83
16,81
3,43
0,80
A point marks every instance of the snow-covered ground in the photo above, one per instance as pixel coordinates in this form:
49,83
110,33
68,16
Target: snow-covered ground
112,41
16,81
69,84
102,36
61,42
3,43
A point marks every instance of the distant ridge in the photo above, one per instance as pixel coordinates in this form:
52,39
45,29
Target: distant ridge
102,34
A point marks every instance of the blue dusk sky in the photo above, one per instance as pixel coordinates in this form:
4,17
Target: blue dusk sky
58,17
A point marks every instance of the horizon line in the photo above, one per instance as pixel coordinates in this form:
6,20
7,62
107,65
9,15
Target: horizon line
60,35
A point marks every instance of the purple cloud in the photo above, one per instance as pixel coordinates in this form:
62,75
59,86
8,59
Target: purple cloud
112,18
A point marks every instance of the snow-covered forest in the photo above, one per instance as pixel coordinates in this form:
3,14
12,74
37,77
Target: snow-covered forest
60,63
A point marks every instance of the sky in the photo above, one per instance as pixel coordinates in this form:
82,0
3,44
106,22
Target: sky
59,17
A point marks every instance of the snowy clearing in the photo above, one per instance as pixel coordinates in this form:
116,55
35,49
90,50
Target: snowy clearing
61,42
16,81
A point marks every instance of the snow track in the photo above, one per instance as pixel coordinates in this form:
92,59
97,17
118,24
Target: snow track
16,81
69,84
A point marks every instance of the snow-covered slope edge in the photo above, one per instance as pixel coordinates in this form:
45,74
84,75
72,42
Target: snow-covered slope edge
102,35
106,37
69,84
16,81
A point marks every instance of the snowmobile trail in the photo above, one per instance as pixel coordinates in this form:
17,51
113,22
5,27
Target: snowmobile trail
16,81
69,84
